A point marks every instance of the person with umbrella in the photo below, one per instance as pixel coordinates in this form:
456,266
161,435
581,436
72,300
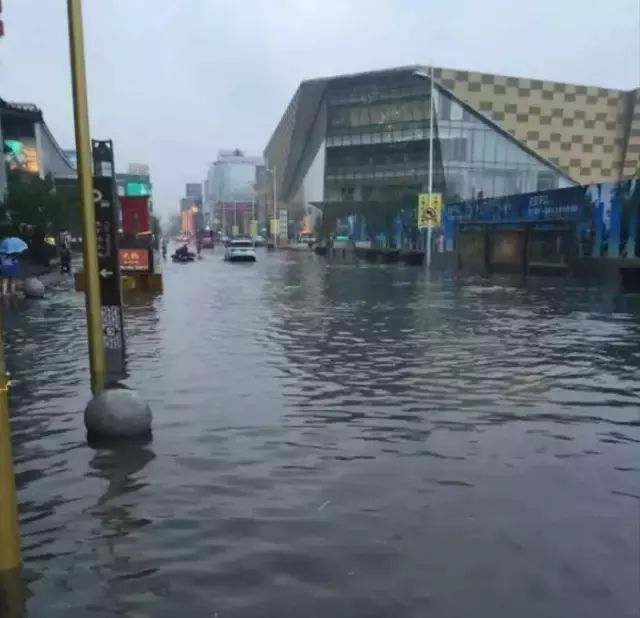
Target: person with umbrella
10,249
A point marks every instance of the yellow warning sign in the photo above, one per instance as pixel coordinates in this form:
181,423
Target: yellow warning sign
429,210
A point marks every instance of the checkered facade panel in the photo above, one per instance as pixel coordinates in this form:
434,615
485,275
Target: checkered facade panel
631,165
582,129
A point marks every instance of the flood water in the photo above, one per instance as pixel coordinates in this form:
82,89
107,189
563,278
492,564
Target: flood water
337,440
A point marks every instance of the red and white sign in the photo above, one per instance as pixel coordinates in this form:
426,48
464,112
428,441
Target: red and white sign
134,259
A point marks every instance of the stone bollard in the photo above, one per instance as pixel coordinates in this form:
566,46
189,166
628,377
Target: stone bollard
33,288
117,413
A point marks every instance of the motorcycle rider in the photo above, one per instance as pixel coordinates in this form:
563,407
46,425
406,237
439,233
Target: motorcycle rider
182,252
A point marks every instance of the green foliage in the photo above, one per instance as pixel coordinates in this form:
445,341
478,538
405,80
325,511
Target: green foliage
36,202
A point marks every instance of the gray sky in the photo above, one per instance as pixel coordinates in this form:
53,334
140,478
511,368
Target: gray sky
173,81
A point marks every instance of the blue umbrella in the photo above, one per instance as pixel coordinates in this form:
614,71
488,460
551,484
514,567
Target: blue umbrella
13,244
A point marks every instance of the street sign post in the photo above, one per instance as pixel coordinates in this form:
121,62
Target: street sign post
429,216
109,270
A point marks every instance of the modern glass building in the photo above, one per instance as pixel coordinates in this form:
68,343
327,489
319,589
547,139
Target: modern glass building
358,146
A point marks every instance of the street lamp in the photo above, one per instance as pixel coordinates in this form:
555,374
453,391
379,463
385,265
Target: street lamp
431,112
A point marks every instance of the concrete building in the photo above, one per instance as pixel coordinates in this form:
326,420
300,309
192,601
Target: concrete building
361,141
29,145
230,186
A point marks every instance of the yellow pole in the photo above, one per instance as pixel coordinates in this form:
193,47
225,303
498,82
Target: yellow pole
97,360
10,572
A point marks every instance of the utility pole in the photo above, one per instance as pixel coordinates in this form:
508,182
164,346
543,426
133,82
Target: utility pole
431,109
11,590
97,360
275,202
10,561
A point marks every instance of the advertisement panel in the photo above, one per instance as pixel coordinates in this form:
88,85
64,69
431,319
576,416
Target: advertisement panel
137,188
284,223
135,214
134,259
139,169
21,155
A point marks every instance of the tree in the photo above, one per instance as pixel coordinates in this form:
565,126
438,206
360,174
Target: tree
37,203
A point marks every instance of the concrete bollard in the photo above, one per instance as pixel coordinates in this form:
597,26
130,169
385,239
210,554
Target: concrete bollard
117,413
33,288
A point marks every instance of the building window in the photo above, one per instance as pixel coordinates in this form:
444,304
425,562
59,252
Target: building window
445,108
545,181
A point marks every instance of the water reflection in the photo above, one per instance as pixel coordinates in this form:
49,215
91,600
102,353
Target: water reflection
329,439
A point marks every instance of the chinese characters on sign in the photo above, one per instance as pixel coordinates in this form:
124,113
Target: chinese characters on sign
109,271
283,225
134,259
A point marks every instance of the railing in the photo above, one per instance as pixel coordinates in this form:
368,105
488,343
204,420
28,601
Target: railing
393,170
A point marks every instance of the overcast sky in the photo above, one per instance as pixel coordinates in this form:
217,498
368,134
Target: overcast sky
173,81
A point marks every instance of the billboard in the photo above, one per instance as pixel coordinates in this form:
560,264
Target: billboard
21,155
283,225
138,169
604,216
134,259
137,188
135,215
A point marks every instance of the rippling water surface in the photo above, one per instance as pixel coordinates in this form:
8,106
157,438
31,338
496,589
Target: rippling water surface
336,440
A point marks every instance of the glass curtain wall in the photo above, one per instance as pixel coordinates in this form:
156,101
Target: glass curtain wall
377,151
480,161
377,139
379,133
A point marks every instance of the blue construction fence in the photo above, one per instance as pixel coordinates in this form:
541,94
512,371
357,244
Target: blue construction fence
605,216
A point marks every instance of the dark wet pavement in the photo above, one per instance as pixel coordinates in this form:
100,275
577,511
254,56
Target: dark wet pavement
337,440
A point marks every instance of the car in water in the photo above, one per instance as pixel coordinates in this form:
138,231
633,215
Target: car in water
206,239
240,250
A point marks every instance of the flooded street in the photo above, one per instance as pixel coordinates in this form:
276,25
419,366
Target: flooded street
336,440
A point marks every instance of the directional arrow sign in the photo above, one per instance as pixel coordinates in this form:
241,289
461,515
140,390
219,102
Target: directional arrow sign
106,213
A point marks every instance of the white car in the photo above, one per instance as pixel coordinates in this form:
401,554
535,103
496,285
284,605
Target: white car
240,250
